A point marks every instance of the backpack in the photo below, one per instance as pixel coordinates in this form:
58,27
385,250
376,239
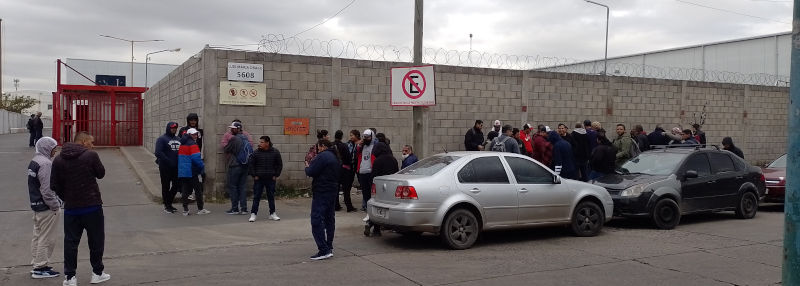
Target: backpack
244,154
499,145
635,151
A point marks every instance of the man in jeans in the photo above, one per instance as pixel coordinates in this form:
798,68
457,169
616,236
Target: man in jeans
237,172
74,179
46,208
265,167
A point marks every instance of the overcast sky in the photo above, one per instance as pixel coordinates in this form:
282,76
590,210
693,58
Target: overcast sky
36,33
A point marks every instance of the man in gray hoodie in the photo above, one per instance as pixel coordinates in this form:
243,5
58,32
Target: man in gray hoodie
46,208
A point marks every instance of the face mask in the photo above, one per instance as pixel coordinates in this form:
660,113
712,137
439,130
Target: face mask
405,156
367,141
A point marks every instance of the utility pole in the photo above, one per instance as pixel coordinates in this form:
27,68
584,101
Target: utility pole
791,206
417,111
1,57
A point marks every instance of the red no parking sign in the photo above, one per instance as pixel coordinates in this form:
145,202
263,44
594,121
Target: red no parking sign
413,86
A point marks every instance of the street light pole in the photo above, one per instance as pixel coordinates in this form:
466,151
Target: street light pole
605,58
147,61
132,42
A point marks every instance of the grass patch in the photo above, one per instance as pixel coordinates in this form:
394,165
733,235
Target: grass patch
289,192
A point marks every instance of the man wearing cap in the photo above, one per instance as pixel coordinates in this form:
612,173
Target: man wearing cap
527,139
542,149
237,172
495,131
190,166
167,146
364,165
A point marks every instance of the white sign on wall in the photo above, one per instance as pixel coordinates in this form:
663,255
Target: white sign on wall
413,86
242,93
246,72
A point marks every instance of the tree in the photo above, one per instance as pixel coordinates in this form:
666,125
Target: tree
17,104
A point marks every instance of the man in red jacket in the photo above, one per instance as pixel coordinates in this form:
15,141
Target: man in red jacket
542,149
74,179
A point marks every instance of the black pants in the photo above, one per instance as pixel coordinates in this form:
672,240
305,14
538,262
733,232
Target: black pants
169,185
345,184
32,140
74,225
365,180
187,186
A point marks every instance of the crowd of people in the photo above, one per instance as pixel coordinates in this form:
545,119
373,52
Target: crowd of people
586,152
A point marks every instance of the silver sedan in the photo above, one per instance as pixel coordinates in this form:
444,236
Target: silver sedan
459,194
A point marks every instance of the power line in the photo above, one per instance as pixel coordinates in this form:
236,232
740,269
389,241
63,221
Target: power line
326,20
729,11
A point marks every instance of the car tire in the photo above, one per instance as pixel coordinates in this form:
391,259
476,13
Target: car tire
587,219
748,206
666,214
460,229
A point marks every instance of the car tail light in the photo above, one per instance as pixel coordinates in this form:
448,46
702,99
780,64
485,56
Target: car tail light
763,179
372,191
406,192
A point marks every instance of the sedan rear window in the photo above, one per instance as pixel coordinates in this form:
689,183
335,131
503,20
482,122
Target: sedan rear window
778,163
429,166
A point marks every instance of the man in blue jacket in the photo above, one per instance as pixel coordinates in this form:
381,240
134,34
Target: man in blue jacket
324,168
563,160
167,146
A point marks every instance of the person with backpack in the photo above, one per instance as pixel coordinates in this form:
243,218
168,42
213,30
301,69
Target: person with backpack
190,168
504,142
265,167
473,140
623,143
238,151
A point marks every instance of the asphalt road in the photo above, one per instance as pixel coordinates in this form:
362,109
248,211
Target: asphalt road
147,247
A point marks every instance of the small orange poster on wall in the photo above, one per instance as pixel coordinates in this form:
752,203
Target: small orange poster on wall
295,126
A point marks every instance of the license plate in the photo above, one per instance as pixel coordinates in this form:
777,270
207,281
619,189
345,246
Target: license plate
767,192
381,212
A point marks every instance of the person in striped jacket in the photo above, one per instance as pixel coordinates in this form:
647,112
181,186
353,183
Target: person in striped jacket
190,166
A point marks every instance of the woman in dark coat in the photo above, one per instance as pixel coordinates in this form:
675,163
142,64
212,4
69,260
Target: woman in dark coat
385,164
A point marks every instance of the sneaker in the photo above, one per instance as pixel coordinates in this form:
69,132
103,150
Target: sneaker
100,278
320,256
70,282
274,216
232,212
351,210
185,213
243,212
203,211
169,211
252,218
191,197
44,272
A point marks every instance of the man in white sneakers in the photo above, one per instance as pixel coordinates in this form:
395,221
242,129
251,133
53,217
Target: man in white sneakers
46,208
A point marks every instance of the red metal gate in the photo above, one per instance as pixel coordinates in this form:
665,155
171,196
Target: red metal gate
112,114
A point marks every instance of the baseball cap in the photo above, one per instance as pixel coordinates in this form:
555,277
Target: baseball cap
236,125
497,123
547,128
192,131
173,125
367,132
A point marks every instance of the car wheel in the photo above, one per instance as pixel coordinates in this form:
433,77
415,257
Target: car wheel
460,229
587,219
666,214
748,206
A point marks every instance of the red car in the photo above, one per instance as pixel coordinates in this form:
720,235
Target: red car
775,174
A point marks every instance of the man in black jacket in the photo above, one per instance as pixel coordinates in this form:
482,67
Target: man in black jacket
166,152
473,140
582,151
193,121
324,168
74,179
265,167
385,164
345,183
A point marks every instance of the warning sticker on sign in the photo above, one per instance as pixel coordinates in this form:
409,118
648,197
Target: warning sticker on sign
242,93
413,86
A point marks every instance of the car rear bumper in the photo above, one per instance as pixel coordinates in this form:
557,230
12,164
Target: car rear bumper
402,218
775,194
632,206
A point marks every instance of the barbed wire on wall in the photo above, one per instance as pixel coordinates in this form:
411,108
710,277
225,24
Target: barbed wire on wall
277,43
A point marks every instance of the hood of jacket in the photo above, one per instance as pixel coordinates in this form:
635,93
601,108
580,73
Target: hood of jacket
171,125
381,149
72,150
193,116
45,146
579,131
725,141
553,137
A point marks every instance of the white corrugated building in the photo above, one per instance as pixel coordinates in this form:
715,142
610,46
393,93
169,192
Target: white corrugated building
762,60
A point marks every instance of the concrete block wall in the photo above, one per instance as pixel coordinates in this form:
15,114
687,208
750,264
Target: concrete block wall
301,86
12,120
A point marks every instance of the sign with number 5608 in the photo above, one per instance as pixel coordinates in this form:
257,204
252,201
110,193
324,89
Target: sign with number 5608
245,72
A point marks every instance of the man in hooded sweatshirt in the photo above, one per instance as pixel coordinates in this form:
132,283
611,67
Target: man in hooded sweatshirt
325,169
563,160
364,165
74,179
167,146
193,121
581,151
46,208
190,166
385,164
727,144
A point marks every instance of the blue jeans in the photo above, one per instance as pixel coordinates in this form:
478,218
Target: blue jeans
323,222
237,177
258,189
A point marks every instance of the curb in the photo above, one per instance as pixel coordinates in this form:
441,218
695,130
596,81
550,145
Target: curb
152,190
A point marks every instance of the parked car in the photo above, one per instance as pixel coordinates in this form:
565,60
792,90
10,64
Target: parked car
775,174
664,184
458,195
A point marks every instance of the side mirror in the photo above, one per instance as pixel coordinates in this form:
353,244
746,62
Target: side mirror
556,179
690,174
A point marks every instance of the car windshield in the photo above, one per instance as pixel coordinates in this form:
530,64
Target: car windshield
778,163
653,163
429,166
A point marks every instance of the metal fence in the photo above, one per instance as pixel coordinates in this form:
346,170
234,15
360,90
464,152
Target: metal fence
276,43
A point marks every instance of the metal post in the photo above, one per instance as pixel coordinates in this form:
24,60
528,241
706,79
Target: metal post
131,83
605,58
1,57
418,126
146,61
791,241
